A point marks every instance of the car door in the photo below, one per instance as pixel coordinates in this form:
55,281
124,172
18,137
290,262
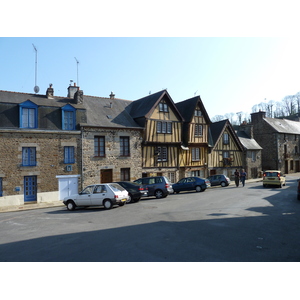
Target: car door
84,197
213,180
190,184
99,194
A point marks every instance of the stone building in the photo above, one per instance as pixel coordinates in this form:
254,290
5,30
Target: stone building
252,150
280,140
39,139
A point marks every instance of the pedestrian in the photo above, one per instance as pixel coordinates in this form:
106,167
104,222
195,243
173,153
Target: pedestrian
243,177
237,178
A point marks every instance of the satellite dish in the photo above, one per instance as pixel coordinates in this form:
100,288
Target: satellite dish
36,89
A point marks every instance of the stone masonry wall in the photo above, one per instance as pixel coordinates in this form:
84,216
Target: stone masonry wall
92,165
49,157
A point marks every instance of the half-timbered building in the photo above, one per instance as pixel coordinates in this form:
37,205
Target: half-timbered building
162,124
226,153
193,158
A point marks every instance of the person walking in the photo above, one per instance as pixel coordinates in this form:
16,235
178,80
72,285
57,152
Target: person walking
237,178
243,177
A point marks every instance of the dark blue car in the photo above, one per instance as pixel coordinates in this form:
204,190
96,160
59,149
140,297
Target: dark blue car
190,184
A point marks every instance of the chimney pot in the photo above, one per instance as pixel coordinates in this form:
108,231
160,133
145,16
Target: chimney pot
112,95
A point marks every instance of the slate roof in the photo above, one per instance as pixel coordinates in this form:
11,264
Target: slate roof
38,99
217,128
247,142
106,112
188,106
144,107
284,125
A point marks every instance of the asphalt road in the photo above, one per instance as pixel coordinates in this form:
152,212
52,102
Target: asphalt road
245,224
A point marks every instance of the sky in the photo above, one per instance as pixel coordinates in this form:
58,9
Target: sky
231,74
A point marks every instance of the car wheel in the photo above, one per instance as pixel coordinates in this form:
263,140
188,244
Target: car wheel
223,184
158,194
107,204
71,205
177,192
199,188
130,199
136,200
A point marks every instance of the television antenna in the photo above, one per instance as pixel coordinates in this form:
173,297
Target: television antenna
77,62
36,88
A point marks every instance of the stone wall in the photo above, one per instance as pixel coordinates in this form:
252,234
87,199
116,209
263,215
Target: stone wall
49,159
92,165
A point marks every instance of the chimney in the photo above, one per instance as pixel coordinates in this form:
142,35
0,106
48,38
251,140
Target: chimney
72,90
258,116
247,128
78,97
112,95
50,92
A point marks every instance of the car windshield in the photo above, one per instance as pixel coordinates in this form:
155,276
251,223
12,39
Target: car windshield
116,187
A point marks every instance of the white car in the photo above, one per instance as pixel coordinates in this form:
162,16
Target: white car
106,194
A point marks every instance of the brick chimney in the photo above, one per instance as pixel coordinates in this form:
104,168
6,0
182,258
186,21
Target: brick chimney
247,128
72,90
50,92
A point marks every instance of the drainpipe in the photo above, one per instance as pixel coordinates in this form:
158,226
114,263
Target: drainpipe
81,158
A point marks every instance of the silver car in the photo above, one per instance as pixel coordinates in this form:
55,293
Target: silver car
106,194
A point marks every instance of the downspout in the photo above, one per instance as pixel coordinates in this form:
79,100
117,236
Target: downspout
81,159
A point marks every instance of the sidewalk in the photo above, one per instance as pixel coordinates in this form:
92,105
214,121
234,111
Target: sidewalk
29,206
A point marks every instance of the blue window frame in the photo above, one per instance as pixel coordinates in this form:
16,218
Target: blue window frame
28,114
28,156
68,117
69,155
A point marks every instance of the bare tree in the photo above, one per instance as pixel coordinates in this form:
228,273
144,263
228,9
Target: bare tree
218,118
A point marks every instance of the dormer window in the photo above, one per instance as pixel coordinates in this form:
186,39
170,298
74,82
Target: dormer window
163,107
68,117
28,114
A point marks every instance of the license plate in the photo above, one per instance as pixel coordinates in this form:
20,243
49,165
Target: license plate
123,200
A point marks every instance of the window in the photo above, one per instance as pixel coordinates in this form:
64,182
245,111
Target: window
164,127
195,154
124,146
68,117
198,113
253,156
125,174
225,154
163,107
99,146
28,114
69,157
1,190
226,138
162,153
28,156
198,130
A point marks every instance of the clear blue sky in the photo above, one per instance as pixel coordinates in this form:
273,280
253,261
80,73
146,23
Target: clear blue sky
230,74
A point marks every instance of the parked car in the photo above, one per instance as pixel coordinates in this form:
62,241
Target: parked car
273,177
191,183
219,180
135,190
107,194
158,186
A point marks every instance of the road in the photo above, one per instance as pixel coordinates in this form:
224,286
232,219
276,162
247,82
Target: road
245,224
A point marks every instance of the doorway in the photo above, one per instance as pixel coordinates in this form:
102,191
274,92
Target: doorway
106,176
30,189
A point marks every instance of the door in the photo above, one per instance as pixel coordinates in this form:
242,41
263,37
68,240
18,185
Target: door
67,185
99,194
106,176
30,188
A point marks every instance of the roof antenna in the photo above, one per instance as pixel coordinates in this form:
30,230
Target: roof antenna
195,93
36,88
77,70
